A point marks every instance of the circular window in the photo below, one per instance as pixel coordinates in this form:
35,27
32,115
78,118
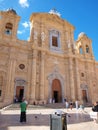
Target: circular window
22,66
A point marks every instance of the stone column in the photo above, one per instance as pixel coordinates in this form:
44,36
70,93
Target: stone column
71,79
33,77
42,71
78,80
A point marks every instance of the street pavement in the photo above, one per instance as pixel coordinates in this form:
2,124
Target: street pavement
39,119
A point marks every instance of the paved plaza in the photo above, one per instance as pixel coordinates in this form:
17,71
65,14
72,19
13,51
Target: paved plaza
39,119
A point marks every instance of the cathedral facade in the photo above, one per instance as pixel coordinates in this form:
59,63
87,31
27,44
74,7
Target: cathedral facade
51,65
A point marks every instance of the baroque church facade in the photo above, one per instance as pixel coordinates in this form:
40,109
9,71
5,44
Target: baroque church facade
50,65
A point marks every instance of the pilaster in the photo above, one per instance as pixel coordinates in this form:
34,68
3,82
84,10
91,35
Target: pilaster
72,89
78,80
29,78
33,76
42,71
10,78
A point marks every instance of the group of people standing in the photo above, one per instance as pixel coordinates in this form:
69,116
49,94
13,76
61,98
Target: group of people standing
24,103
73,104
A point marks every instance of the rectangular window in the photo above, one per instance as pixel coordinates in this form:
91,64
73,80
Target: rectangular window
54,41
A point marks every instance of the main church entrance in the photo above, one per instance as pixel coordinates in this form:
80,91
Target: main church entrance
84,96
20,86
56,91
19,93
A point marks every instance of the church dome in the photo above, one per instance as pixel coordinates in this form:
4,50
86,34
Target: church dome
11,11
81,34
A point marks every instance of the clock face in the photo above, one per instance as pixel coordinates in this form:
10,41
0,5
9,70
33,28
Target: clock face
21,66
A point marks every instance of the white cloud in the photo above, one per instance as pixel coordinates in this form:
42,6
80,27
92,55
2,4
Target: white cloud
20,32
26,24
24,3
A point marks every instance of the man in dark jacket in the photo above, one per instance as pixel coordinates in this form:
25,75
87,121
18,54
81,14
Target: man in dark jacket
95,107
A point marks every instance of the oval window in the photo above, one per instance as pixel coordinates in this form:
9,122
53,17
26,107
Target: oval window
22,66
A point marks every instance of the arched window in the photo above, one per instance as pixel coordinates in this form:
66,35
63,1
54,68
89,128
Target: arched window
80,50
8,28
87,49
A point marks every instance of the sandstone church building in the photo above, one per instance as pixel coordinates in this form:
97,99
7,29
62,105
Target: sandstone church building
50,65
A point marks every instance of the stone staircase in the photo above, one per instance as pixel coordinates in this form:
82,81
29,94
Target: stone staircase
16,106
88,104
55,105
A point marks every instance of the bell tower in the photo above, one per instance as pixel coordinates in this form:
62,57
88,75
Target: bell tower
9,24
84,46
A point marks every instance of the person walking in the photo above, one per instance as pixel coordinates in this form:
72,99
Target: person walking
76,104
95,112
67,105
71,105
23,107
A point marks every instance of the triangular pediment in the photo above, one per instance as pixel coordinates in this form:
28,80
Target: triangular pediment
53,18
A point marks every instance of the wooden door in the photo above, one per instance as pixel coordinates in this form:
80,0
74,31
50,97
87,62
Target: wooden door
56,90
19,93
84,95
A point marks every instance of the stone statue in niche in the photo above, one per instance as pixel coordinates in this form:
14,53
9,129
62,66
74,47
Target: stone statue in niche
68,45
43,36
35,35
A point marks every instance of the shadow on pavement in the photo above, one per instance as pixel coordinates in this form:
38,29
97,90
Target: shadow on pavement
76,118
39,120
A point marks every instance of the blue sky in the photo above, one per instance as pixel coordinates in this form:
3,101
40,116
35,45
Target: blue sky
83,14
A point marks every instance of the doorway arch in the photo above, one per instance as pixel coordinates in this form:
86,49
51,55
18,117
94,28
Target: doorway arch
56,77
84,92
20,89
19,93
56,90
